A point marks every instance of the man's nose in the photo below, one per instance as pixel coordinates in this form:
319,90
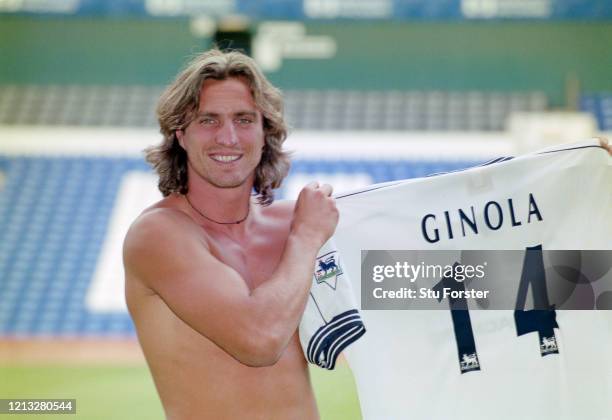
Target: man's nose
226,135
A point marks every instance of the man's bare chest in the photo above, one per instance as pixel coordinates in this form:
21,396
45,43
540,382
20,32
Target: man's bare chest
255,259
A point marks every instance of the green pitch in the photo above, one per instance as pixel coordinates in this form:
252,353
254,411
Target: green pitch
111,392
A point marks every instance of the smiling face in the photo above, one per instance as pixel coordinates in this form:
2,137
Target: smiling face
224,141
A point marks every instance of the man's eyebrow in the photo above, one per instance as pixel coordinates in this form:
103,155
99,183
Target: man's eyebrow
247,114
207,114
216,114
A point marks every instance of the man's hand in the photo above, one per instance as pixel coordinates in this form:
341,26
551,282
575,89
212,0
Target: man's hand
315,216
605,143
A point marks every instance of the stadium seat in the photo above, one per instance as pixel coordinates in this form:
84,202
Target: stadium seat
600,105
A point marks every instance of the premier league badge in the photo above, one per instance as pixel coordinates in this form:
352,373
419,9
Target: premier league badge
328,269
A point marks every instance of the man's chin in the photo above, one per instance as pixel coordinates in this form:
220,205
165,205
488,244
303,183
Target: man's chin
225,181
228,184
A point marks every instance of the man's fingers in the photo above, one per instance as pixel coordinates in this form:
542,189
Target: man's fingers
327,189
605,143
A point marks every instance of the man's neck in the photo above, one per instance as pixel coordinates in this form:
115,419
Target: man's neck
224,207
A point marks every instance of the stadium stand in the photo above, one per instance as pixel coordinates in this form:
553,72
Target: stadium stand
53,219
133,106
407,110
117,106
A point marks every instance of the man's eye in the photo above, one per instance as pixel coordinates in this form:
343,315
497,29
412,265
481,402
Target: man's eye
207,121
245,121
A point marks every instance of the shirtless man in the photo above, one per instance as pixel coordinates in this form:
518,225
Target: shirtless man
217,279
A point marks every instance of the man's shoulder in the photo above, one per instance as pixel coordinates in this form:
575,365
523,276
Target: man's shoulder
158,224
164,214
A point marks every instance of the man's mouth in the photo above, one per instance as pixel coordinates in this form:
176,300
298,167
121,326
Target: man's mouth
225,158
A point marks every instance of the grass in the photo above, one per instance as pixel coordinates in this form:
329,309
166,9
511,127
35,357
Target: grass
118,392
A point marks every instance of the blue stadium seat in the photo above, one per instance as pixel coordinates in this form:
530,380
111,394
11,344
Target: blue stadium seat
600,105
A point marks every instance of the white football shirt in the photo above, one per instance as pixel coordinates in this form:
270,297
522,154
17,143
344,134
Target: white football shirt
406,365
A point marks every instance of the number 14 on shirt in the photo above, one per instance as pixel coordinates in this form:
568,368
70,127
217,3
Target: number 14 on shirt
542,321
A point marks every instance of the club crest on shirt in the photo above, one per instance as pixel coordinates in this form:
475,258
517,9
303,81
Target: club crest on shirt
328,269
549,345
469,362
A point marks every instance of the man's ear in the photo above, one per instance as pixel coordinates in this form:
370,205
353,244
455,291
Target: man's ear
180,135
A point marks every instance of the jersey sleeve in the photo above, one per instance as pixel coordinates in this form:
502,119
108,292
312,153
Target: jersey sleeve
331,320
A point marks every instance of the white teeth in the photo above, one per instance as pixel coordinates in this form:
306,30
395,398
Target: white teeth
225,158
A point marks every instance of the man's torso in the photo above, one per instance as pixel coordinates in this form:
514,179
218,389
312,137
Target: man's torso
194,377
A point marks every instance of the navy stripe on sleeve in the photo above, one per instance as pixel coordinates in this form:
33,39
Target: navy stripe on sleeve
326,344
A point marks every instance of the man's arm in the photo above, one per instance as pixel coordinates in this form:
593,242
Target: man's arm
163,252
